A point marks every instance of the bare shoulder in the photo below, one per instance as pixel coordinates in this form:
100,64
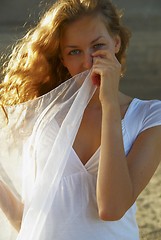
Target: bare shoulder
125,101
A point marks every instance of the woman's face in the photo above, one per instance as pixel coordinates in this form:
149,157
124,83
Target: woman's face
82,38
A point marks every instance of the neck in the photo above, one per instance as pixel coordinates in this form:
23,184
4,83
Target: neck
94,102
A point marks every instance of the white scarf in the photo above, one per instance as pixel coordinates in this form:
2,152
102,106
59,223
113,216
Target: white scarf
63,107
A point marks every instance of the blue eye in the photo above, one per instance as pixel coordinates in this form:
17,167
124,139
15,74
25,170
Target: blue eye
99,46
74,52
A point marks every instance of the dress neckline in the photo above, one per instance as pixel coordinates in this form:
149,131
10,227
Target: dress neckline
98,149
90,160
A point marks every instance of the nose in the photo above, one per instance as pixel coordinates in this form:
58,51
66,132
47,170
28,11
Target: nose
87,61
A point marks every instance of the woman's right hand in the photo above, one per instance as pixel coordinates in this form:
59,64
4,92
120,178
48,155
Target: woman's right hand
106,73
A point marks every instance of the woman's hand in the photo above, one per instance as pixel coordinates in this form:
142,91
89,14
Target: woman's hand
11,206
106,73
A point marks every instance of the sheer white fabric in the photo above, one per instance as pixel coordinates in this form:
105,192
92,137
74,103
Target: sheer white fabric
57,189
21,126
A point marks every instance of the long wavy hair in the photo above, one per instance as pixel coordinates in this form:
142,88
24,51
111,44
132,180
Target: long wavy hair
34,67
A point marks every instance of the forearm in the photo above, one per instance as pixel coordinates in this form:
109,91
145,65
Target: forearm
11,206
114,188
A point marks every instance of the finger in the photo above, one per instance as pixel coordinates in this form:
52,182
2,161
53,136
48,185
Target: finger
103,53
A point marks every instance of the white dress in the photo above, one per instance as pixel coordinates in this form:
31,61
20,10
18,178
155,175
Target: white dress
58,191
74,214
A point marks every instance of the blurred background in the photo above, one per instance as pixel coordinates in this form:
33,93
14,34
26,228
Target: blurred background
142,79
143,76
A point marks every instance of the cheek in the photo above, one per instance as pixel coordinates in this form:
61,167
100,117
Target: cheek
72,66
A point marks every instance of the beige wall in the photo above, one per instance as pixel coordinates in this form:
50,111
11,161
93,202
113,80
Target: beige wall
143,78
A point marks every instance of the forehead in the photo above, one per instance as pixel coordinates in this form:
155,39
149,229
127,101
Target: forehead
86,28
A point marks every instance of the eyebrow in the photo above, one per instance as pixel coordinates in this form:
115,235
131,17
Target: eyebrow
93,41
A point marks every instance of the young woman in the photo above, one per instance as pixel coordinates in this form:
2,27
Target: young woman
96,149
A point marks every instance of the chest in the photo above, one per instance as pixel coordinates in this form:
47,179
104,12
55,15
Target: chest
88,137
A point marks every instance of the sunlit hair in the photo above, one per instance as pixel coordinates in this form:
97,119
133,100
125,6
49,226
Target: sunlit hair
35,68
